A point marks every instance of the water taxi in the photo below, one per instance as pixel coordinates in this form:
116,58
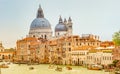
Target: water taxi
58,69
94,67
69,68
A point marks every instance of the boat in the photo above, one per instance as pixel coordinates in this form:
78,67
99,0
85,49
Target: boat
94,67
117,71
4,66
31,68
69,68
51,66
58,69
8,63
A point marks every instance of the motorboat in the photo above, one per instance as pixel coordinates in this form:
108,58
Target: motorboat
31,68
69,68
58,69
4,66
51,66
94,67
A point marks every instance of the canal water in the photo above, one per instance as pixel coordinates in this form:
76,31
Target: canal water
43,69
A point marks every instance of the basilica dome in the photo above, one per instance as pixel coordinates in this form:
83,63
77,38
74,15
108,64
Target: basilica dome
40,26
60,27
40,23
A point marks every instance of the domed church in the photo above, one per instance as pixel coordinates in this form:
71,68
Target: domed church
40,26
63,28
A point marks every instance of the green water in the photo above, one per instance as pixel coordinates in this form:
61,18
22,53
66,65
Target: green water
43,69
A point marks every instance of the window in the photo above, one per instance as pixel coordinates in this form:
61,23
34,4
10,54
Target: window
80,44
33,35
69,43
88,44
58,34
69,49
45,36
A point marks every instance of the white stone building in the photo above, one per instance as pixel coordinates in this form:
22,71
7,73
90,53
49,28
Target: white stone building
103,57
79,57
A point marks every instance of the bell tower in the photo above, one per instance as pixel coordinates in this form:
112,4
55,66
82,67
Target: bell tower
69,24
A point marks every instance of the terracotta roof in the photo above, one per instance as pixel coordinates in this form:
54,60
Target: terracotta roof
84,48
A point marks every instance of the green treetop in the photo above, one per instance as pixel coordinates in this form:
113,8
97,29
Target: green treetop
116,38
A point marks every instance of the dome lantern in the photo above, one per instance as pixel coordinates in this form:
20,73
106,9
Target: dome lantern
40,13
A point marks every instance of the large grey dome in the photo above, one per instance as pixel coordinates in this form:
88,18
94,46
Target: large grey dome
60,27
40,26
40,23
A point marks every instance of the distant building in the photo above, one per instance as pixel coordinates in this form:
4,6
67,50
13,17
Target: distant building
32,49
1,47
103,57
6,54
89,40
26,49
107,44
79,56
72,49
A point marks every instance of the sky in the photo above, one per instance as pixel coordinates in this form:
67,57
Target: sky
98,17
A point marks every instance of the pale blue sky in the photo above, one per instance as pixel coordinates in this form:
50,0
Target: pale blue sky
99,17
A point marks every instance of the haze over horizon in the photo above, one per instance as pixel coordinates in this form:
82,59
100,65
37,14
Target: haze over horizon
99,17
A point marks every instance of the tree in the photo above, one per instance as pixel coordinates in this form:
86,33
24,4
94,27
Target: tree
115,62
116,38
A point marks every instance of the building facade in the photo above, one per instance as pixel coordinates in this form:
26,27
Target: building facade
102,57
116,53
6,54
26,49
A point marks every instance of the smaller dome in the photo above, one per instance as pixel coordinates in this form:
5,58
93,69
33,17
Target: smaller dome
60,27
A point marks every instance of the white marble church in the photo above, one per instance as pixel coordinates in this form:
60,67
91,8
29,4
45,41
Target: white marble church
41,28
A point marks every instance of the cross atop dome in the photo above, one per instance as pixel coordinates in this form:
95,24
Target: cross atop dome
60,19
